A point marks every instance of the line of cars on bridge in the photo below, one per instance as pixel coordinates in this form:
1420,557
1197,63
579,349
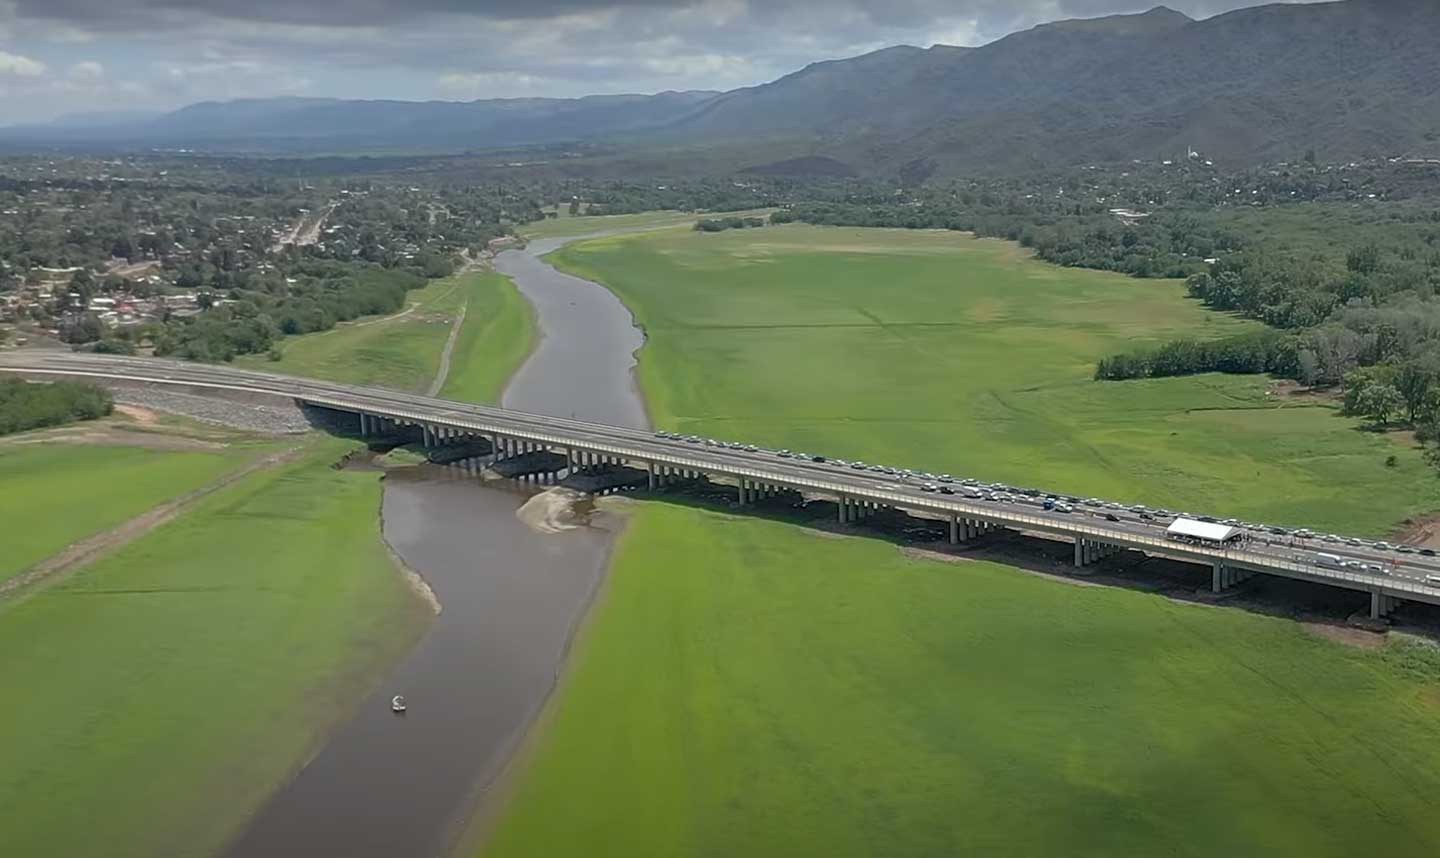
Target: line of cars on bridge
1050,501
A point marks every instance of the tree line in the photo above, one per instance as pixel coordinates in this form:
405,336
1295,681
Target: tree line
25,406
720,224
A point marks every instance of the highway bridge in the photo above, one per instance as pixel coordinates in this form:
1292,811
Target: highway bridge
1389,578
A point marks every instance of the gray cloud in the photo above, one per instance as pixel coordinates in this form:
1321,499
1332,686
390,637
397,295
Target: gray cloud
160,53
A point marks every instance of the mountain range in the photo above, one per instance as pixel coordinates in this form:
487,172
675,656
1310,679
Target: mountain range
1349,79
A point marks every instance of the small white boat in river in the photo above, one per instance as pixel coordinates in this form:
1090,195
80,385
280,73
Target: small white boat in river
397,704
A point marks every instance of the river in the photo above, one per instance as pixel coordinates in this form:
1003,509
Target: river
403,785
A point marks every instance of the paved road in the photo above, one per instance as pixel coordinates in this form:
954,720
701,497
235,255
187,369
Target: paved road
1405,576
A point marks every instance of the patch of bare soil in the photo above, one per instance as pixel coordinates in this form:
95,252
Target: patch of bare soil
87,550
1348,635
143,416
1289,389
1423,532
917,553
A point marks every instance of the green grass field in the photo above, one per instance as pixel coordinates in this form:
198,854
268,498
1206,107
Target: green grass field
399,351
403,351
155,698
495,339
566,225
56,494
750,688
745,687
942,352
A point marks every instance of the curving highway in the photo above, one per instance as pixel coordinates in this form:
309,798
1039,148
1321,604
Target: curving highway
1386,574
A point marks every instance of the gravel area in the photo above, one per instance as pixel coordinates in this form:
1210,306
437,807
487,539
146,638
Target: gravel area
275,417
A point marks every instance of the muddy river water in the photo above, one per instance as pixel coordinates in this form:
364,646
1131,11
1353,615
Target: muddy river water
511,596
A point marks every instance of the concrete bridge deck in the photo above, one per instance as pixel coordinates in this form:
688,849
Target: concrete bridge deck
756,474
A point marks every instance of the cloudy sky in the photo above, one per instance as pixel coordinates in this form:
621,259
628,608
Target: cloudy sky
67,56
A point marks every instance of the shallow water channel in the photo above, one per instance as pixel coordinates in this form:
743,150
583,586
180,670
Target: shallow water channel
391,785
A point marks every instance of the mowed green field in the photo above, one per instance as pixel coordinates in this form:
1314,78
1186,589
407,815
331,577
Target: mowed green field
567,226
155,698
497,335
399,351
746,687
751,688
942,352
56,494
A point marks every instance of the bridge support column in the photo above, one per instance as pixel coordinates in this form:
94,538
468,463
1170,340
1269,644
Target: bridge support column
650,475
742,491
954,530
1381,606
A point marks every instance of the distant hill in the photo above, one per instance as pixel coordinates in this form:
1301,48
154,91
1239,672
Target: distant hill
280,124
1351,79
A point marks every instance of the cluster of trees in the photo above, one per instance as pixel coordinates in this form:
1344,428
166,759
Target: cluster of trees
720,224
251,323
1166,245
1260,352
1406,392
25,406
1293,292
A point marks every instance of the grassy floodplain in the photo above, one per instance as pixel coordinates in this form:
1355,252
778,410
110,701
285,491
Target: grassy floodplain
400,351
497,335
44,484
935,350
568,225
748,688
159,695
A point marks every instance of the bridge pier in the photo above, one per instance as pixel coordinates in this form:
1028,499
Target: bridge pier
1088,551
1224,577
1381,606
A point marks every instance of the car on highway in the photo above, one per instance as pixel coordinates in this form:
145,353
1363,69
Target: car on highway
929,487
1428,552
